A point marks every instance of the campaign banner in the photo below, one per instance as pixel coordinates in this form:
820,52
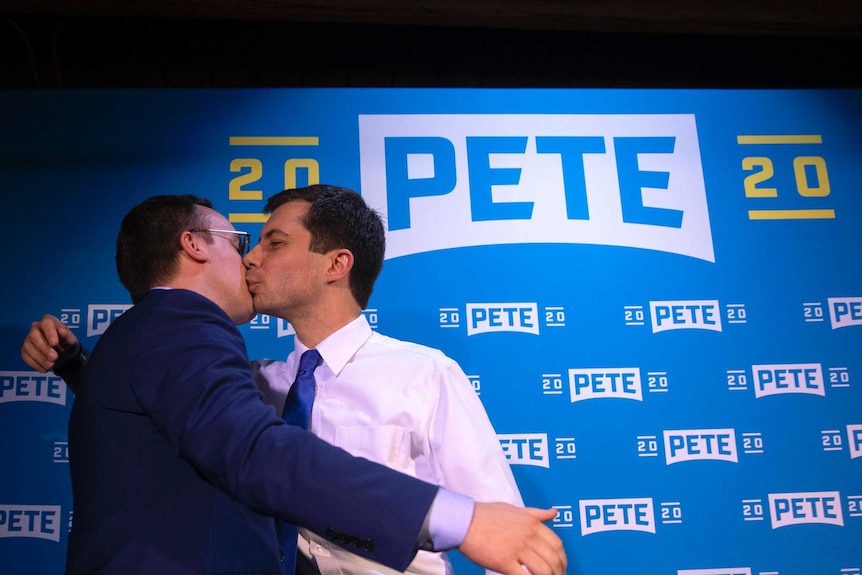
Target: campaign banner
656,294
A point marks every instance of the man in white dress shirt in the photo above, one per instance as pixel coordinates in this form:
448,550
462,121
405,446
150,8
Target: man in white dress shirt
398,403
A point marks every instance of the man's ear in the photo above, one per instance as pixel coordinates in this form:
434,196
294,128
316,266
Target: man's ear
193,246
340,264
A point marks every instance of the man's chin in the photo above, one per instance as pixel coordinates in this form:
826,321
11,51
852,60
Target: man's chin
245,314
258,305
245,317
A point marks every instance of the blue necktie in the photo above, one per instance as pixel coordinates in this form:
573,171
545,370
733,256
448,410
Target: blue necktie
297,411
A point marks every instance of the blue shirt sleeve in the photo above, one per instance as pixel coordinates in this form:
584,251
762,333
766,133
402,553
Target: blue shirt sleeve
448,520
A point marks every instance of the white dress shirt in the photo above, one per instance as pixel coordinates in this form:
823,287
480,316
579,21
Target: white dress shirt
401,404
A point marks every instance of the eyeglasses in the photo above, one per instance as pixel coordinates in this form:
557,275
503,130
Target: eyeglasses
243,237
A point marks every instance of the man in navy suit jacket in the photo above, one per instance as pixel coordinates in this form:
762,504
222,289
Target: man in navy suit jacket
177,466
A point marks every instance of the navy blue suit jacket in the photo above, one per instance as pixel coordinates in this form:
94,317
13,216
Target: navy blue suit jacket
178,466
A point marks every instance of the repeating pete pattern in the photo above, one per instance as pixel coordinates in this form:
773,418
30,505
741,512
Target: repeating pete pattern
649,291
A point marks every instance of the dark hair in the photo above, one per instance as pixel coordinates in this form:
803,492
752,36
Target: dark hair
340,218
149,240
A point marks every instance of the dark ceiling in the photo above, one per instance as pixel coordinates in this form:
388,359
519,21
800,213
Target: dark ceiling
478,43
746,17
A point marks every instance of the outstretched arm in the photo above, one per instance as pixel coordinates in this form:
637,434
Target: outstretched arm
501,537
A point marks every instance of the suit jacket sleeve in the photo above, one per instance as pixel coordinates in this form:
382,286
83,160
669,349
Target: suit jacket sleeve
190,373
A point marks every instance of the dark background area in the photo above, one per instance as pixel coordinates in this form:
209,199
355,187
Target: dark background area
382,43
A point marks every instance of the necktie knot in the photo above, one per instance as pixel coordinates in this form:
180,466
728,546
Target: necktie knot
309,361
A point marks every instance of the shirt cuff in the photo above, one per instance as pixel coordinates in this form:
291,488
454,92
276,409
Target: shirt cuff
448,521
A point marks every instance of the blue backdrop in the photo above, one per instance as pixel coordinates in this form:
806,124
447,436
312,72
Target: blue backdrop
657,294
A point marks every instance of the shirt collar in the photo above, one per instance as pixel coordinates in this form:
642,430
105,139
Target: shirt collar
339,347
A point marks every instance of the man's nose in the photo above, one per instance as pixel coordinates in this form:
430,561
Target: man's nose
250,259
